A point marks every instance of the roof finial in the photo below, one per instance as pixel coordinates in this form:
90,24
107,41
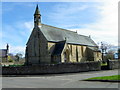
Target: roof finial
76,31
89,36
37,12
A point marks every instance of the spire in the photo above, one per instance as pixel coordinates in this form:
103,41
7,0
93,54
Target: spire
7,47
37,17
37,12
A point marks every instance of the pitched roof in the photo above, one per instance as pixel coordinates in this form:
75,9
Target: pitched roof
94,49
59,48
55,34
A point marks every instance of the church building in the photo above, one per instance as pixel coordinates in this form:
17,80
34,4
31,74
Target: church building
48,44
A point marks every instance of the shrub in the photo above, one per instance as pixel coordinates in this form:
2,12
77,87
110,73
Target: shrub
10,60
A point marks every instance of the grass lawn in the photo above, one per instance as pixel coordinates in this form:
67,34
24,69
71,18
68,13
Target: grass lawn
114,77
103,64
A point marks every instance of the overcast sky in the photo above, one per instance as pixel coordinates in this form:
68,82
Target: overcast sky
98,19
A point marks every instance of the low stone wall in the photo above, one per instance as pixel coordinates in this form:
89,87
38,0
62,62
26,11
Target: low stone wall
113,64
51,68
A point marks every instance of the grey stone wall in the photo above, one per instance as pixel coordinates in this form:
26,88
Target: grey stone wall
113,64
37,48
51,68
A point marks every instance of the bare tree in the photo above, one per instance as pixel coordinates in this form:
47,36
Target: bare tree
110,55
105,49
18,56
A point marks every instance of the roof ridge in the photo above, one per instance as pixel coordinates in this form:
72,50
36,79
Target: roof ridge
60,28
65,30
83,35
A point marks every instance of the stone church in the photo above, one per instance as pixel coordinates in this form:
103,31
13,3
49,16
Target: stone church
48,44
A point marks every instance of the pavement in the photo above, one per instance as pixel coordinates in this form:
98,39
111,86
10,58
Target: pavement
68,80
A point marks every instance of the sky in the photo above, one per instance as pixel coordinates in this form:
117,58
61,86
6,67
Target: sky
97,19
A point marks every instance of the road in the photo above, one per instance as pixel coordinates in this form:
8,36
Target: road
71,80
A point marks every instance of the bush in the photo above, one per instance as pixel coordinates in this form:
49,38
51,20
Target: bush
10,60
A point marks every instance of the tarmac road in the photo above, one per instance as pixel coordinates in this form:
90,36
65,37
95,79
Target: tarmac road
70,80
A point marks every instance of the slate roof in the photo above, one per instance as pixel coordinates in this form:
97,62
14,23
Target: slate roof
55,34
94,49
58,48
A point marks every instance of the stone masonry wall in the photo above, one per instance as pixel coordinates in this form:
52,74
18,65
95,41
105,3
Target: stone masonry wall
113,64
51,68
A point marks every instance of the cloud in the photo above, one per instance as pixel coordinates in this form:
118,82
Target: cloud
10,6
14,49
72,13
106,28
17,49
18,29
16,35
29,25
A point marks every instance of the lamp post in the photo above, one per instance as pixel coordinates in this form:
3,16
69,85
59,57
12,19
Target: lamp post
102,48
7,50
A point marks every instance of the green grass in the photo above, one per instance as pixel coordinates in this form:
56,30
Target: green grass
114,77
103,64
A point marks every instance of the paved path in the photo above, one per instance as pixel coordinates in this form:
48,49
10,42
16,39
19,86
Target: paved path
71,80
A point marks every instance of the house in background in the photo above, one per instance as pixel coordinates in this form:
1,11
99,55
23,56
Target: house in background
4,54
49,44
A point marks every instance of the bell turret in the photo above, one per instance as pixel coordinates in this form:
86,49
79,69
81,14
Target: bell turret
37,17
